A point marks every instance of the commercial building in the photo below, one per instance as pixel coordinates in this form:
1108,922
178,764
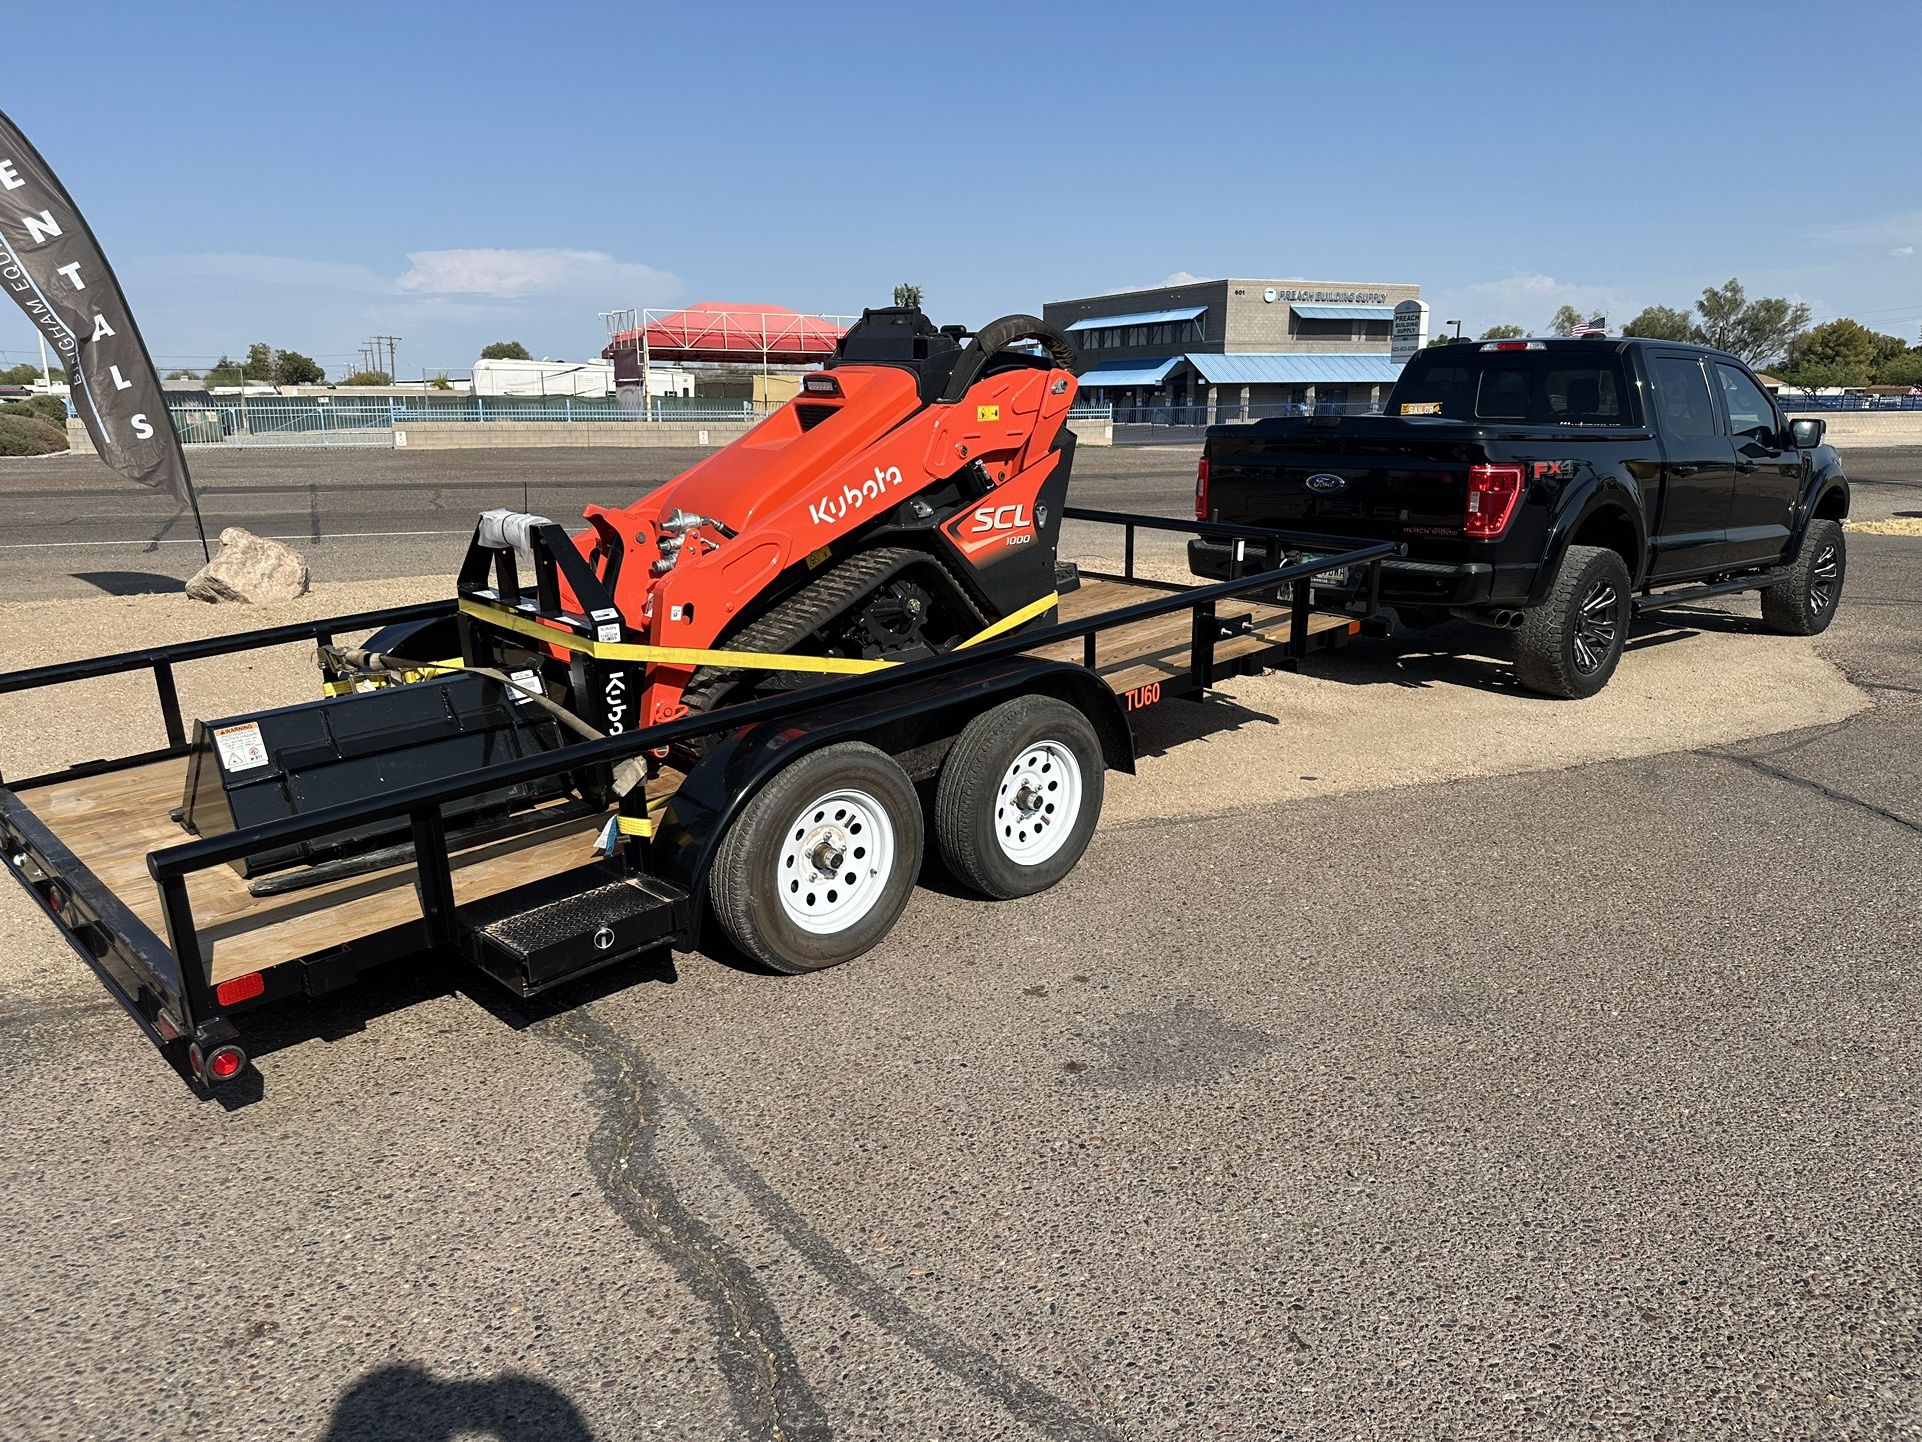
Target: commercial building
1229,349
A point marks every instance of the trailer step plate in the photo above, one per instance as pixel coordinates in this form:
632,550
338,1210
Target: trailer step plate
560,927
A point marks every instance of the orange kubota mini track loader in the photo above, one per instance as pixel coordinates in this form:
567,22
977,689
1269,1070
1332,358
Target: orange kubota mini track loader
907,501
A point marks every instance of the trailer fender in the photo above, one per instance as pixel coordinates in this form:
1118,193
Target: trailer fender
918,725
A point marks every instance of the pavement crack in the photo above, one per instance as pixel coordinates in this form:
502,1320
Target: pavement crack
771,1399
1047,1414
1755,763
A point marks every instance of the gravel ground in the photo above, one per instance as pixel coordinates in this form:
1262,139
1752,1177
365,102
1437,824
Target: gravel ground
1408,1058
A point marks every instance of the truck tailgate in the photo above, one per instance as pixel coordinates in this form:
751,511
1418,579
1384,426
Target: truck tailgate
1350,480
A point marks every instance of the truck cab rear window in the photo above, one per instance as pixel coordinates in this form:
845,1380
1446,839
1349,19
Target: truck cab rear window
1515,387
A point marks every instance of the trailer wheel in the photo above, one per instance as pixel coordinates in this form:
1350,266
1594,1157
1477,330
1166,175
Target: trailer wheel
818,867
1804,604
1019,796
1568,645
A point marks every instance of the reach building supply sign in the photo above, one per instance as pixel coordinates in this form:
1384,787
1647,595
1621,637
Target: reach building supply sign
55,272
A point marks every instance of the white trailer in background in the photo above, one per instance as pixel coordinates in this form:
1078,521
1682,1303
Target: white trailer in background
543,378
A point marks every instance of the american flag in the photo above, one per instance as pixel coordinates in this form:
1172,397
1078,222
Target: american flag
1597,326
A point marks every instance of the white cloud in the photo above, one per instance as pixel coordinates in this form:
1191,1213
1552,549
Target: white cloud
445,303
509,274
1180,277
1527,299
1901,251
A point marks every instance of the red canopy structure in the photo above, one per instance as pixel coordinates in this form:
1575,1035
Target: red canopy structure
725,331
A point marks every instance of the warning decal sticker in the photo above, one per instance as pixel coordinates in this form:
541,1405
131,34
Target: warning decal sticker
241,747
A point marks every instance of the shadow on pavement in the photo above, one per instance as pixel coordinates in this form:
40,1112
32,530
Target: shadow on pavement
402,984
132,583
408,1404
1472,657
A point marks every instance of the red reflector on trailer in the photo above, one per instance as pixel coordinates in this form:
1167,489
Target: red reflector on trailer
1492,494
1201,490
240,988
226,1062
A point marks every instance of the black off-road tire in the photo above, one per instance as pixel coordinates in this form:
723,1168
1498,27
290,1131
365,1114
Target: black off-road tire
1019,796
1804,604
756,858
1569,645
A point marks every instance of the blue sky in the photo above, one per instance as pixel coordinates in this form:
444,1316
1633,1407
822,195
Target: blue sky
452,174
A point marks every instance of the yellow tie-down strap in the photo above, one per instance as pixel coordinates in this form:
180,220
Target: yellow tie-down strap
734,660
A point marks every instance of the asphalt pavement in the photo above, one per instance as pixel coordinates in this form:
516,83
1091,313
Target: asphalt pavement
1545,1101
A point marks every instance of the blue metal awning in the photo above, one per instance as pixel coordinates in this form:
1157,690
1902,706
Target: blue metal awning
1345,312
1141,317
1129,372
1295,368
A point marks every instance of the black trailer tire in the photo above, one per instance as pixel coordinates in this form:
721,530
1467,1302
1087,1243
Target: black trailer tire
819,866
1019,796
1804,604
1569,644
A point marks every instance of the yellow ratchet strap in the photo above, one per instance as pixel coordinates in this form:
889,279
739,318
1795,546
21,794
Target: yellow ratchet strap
735,660
1017,618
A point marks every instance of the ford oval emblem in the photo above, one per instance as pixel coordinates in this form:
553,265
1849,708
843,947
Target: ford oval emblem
1325,484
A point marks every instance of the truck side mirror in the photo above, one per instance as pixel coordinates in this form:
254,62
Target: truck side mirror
1807,433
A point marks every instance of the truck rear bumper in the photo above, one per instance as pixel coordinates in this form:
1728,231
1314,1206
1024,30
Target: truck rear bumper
1403,582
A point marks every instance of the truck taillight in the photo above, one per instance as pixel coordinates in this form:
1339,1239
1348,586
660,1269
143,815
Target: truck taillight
1492,494
1201,490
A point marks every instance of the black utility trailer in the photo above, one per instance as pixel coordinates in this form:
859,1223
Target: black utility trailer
799,820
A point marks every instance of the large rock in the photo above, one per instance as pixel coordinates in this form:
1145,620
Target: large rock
250,568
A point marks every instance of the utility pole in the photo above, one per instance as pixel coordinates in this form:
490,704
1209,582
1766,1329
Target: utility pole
390,342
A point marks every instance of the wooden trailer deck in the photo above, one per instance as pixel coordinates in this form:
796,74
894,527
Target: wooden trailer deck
112,820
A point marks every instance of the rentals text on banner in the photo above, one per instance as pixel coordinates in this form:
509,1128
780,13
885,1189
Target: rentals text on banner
52,267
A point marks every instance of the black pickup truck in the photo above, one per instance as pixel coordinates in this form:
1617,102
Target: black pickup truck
1557,488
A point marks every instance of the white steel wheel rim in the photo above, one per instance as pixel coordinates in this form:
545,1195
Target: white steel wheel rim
836,857
1037,803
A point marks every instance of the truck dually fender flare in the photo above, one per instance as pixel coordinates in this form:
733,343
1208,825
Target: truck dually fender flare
1606,513
915,723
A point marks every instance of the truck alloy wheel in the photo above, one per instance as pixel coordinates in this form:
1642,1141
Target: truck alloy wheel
1019,796
1595,630
1571,641
1804,603
820,864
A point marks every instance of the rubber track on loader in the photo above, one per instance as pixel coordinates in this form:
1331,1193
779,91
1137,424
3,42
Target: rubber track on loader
820,601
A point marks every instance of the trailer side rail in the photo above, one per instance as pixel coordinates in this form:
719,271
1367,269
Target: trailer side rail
180,1002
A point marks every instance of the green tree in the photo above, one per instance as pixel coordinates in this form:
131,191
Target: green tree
225,372
905,294
1443,339
368,378
1758,331
1564,321
259,365
505,350
27,373
1661,322
440,382
1503,332
1902,370
183,374
1844,351
291,368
